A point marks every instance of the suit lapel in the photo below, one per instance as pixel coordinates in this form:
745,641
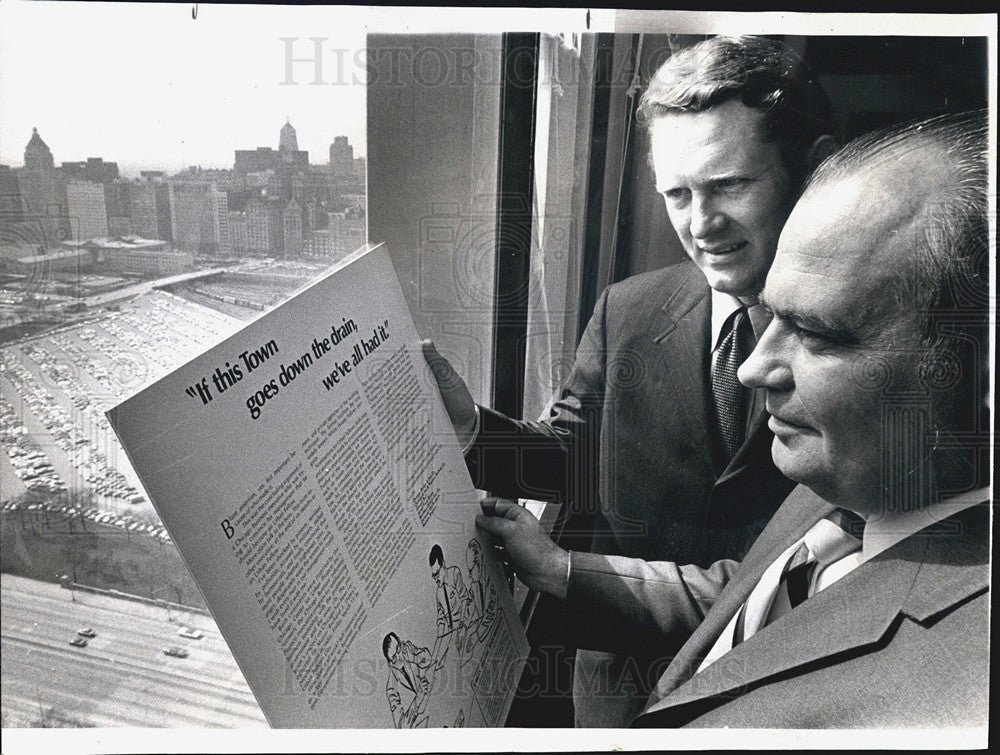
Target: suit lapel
798,513
841,618
920,577
682,345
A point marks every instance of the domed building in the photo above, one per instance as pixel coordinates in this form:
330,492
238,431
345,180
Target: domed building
287,140
37,155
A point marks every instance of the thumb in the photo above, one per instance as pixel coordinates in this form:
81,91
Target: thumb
445,375
454,392
502,528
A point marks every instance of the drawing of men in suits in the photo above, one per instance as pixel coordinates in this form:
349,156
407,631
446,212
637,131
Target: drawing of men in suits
451,598
411,678
482,604
864,602
647,431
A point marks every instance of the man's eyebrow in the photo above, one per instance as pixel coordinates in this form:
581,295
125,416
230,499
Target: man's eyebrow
836,331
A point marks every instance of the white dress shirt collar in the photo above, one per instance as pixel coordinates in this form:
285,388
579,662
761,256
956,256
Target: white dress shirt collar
723,305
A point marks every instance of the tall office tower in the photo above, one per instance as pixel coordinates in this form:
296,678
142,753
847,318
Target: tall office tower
238,232
143,207
258,222
37,155
118,199
292,227
361,168
275,207
43,194
193,221
341,157
164,221
11,208
87,210
219,202
287,139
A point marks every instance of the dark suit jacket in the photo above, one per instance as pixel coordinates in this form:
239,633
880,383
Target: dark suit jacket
899,642
631,436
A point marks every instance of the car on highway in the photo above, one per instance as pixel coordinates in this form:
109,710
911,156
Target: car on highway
86,632
191,634
78,642
176,652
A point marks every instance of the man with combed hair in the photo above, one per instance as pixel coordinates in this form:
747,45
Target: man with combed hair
651,431
865,600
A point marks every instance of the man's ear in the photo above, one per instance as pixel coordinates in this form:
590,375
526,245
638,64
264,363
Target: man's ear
820,149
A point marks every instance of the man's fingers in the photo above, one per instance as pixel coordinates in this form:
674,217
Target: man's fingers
502,528
500,507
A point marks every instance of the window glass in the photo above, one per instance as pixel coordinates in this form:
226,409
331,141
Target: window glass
433,120
163,179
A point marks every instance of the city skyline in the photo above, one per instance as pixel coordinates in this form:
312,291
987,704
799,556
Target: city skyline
129,97
64,165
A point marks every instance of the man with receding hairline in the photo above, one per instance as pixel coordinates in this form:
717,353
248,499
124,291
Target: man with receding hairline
865,601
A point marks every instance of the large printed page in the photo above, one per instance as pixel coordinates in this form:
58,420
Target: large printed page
310,477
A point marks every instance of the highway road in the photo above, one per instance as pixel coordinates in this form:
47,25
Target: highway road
122,677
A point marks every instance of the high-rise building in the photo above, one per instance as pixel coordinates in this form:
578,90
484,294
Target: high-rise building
258,225
143,209
344,233
11,207
288,158
37,155
292,227
220,217
43,194
287,138
193,215
87,210
117,199
341,157
149,197
164,220
275,206
119,226
238,232
93,169
361,168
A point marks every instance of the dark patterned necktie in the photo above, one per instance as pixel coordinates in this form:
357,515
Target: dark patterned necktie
729,396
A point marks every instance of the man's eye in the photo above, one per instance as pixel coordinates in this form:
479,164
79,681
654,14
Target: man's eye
676,195
813,338
729,183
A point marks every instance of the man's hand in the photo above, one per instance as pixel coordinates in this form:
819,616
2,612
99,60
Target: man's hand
540,563
457,399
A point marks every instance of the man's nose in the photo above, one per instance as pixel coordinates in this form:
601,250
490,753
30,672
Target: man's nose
706,217
768,365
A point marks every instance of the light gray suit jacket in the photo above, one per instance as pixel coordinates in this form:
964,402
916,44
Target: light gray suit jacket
899,642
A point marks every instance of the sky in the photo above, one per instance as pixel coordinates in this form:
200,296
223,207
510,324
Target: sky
148,86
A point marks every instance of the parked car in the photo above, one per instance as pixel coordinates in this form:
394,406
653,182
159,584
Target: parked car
191,634
87,632
78,642
176,652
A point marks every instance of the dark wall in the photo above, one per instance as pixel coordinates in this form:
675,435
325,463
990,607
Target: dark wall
872,82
